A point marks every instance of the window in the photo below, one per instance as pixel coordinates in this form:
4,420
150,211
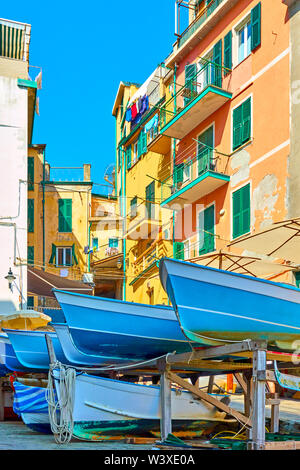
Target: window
150,199
205,146
30,301
128,157
63,256
31,215
135,152
187,171
65,215
241,124
186,246
241,211
95,244
133,207
30,173
113,243
178,250
297,279
206,223
30,255
244,40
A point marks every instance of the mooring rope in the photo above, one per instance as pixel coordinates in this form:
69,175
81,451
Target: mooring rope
61,408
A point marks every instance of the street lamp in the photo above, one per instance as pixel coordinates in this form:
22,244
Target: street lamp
10,278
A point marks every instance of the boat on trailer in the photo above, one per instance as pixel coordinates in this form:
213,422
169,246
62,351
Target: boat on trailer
215,306
115,328
114,409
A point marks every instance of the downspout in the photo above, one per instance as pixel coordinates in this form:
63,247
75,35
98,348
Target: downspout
174,149
123,199
43,203
89,244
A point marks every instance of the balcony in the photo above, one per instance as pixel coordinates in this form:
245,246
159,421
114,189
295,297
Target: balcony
149,259
202,95
204,22
195,178
157,142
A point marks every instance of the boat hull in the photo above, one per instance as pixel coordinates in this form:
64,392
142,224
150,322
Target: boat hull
37,422
8,357
30,348
223,306
112,409
107,327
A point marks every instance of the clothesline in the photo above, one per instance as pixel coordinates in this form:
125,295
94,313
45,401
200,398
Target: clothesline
137,109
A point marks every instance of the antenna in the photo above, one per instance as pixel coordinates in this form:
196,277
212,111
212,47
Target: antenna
109,174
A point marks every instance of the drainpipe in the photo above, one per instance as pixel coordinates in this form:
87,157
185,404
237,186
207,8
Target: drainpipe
123,192
174,147
43,202
89,244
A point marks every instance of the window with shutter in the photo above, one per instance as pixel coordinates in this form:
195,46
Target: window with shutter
113,243
228,52
128,157
217,66
207,230
178,173
205,150
190,91
150,198
65,215
241,124
30,173
133,207
178,250
31,215
241,211
30,255
256,26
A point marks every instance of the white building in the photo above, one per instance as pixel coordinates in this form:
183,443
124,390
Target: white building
17,106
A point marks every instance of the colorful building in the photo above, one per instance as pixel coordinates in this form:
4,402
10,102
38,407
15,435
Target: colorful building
224,156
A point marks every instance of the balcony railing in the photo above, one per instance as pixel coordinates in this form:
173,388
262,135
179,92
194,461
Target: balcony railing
14,39
210,78
198,21
208,169
152,255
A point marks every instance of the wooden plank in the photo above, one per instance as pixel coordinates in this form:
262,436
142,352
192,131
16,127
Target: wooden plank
208,398
271,356
282,445
51,352
210,384
259,399
211,365
165,407
240,381
216,351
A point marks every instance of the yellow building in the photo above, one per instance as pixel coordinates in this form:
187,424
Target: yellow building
143,161
61,221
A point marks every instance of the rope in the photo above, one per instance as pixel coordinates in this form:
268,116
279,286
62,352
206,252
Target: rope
61,409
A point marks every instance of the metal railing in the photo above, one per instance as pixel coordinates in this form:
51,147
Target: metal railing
209,73
154,253
207,159
198,21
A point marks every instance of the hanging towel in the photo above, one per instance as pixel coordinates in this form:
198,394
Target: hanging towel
133,112
128,115
152,123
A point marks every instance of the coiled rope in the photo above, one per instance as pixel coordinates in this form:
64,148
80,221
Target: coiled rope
61,408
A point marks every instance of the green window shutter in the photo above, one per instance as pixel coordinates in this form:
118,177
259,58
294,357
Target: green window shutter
30,301
217,69
113,242
31,173
297,279
128,157
178,250
256,26
241,211
228,52
150,198
30,255
178,173
133,207
65,215
53,254
119,157
74,257
208,231
190,82
31,215
237,127
144,141
246,111
95,243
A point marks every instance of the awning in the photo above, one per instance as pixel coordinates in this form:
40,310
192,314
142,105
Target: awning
251,265
41,283
281,241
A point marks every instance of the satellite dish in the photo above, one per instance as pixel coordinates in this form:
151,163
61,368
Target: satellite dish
109,175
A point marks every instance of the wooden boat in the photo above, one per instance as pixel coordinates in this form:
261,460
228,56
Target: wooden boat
8,356
114,328
31,404
111,409
24,320
31,350
215,306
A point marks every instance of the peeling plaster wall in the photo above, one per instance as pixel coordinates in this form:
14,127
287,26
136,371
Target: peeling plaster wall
240,162
264,198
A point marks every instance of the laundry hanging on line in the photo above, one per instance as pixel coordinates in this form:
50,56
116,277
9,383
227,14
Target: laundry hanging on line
137,109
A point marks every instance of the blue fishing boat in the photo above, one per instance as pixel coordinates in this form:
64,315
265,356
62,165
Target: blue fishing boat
215,306
31,404
76,357
109,327
30,348
8,357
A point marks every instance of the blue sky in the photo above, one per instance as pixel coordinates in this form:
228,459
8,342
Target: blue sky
85,49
